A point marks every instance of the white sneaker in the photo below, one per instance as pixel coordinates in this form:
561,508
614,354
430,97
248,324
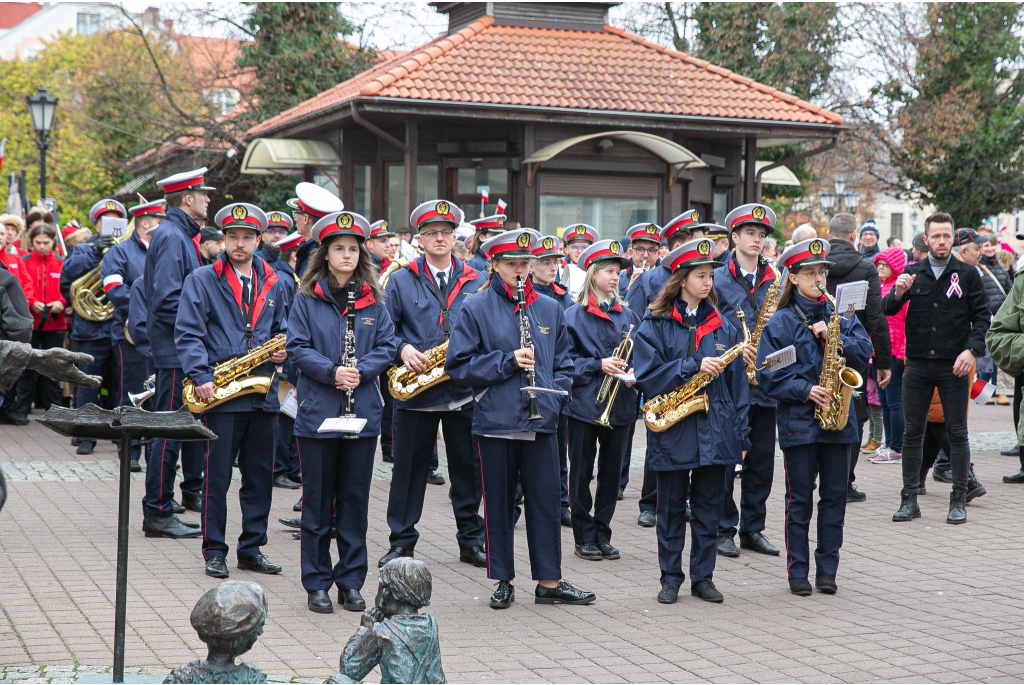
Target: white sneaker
887,457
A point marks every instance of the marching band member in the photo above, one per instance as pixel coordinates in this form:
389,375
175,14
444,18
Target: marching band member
810,453
312,204
91,337
227,309
744,282
424,300
378,247
122,268
641,293
491,352
485,228
596,326
336,470
720,234
172,255
575,238
645,242
681,335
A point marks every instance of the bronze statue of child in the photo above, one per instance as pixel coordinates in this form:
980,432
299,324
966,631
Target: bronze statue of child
229,619
393,634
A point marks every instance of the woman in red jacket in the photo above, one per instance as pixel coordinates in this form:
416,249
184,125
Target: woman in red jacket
42,269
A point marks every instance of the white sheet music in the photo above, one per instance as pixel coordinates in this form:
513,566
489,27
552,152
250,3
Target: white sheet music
855,294
290,406
781,359
626,377
341,424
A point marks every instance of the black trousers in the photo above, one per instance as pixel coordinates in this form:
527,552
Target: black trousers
103,357
50,389
128,374
583,441
162,465
286,458
415,444
829,465
336,475
649,486
703,487
563,460
252,436
534,464
936,445
920,379
758,474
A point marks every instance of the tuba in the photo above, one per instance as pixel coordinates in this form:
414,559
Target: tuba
771,298
405,384
231,378
661,412
836,376
88,298
610,386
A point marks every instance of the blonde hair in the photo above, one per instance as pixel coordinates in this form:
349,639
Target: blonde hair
589,287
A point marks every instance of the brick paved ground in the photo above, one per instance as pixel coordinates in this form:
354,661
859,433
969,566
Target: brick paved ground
918,602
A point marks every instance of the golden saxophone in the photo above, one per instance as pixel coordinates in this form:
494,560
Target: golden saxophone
610,386
836,376
771,298
88,298
405,384
661,412
231,378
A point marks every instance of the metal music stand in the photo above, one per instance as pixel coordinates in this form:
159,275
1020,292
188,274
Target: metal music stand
124,424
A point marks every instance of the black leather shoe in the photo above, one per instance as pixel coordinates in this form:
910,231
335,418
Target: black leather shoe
135,466
15,419
826,582
258,564
388,459
854,495
475,555
607,551
588,551
647,518
435,478
188,524
297,506
169,527
216,567
974,487
1012,451
192,504
957,507
800,587
286,482
351,600
757,542
942,475
563,593
394,553
176,508
319,601
669,593
908,510
292,522
504,595
296,535
1016,477
726,547
566,520
622,494
85,448
706,590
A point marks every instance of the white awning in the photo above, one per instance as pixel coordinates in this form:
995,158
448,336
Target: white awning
779,176
675,155
285,156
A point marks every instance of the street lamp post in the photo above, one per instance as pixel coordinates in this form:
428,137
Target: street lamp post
839,200
42,107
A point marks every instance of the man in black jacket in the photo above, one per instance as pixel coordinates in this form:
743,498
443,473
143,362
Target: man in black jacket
946,324
850,266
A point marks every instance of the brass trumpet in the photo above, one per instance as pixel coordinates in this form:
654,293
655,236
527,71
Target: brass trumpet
610,386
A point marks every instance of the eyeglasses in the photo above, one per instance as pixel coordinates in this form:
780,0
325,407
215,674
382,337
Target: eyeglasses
576,246
813,274
277,229
646,250
434,235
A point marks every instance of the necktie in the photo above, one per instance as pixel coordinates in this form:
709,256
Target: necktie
750,280
246,293
442,281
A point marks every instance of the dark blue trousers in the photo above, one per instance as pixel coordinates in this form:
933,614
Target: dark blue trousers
252,436
286,458
415,441
830,464
128,375
101,366
563,459
703,487
584,438
758,474
387,418
335,470
163,454
534,464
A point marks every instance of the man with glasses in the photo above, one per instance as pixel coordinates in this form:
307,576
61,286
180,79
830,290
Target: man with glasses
424,298
576,238
645,246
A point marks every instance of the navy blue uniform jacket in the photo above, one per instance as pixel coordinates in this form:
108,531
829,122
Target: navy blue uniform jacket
663,362
416,313
478,262
595,334
83,258
316,343
795,415
172,255
138,310
480,356
557,292
284,270
122,267
210,327
733,292
646,288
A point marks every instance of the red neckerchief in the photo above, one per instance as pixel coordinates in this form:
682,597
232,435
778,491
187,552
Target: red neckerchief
712,322
384,264
594,307
528,291
559,289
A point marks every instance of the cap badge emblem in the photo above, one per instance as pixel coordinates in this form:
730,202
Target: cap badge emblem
758,213
650,229
580,230
816,247
614,247
548,243
344,221
523,240
442,208
275,217
383,225
704,248
111,205
238,212
500,221
695,217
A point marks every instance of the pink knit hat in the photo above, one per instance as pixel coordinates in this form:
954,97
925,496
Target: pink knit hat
895,257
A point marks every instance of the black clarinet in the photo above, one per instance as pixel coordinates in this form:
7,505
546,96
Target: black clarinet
348,359
526,342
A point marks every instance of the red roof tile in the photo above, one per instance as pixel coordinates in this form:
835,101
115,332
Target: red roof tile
611,70
13,13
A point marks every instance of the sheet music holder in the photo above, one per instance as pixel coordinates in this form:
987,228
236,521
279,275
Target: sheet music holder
855,294
342,424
